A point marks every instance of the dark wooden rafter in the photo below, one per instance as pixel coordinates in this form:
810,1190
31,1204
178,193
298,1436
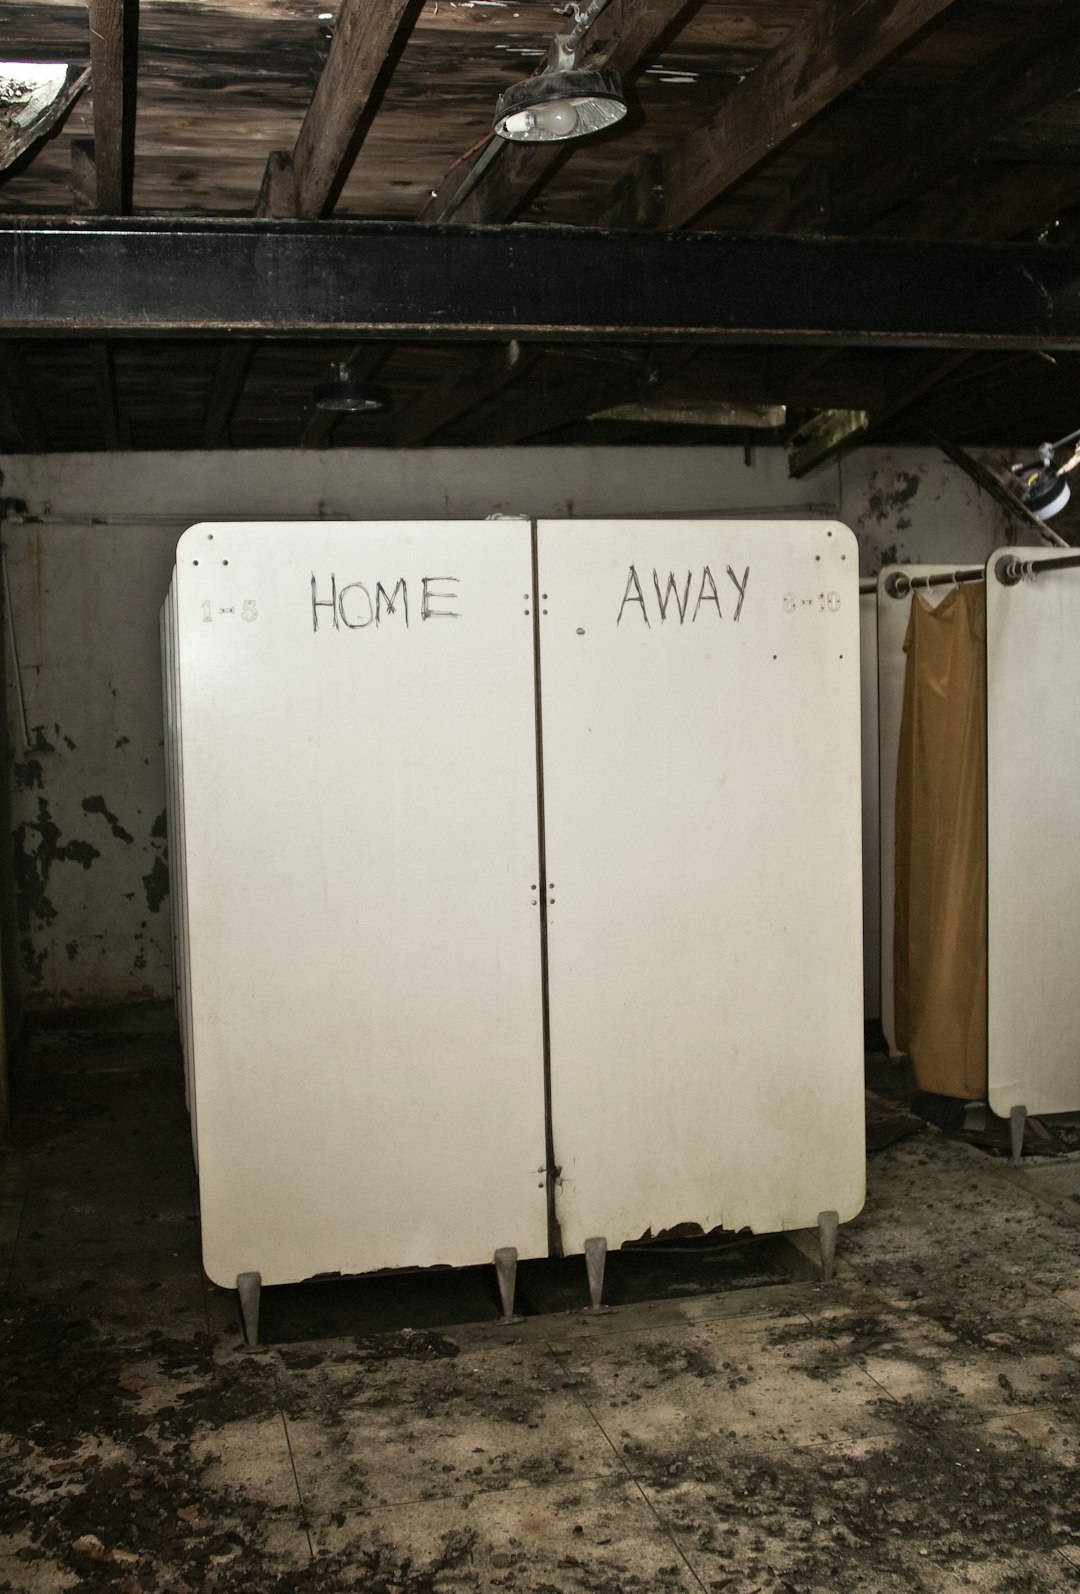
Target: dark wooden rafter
479,376
838,43
999,200
535,413
621,38
1038,68
367,38
113,424
83,176
20,417
113,49
16,141
381,282
233,362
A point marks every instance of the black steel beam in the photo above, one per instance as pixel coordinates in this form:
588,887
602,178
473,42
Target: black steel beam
371,280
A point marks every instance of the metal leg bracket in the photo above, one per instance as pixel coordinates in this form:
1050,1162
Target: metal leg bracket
506,1261
828,1225
249,1286
595,1261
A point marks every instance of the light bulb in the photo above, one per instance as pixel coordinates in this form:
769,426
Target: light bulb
519,125
557,117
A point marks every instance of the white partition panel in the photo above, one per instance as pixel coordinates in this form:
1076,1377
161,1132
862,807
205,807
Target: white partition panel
359,787
893,617
871,805
702,811
1033,836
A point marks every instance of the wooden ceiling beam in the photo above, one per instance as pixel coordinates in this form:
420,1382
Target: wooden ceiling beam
230,373
479,376
113,45
622,38
1040,67
837,44
1003,200
379,282
103,367
536,413
368,37
20,416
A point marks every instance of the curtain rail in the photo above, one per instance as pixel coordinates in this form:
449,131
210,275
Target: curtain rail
899,585
1010,571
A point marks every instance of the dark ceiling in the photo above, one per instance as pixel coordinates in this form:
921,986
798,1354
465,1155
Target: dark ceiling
896,119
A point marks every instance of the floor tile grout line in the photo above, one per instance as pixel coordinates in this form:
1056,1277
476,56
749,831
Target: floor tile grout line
304,1516
633,1479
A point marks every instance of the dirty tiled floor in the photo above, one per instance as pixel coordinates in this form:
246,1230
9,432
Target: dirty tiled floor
914,1425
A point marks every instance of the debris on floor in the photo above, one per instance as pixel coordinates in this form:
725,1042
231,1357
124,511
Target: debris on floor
913,1425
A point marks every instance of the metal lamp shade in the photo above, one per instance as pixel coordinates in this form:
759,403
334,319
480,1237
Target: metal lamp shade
560,105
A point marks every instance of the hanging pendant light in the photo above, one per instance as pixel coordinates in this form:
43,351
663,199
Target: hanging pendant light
348,397
1044,492
564,101
1043,488
558,105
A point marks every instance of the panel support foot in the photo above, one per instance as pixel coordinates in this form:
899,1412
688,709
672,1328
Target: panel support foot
248,1287
506,1261
828,1224
1017,1122
595,1260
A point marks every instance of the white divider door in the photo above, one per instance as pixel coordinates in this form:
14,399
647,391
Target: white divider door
892,625
702,816
1033,836
359,787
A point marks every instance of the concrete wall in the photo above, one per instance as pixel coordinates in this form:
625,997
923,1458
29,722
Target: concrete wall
88,563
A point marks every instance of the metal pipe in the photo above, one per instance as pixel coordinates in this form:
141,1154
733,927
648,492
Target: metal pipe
899,585
867,584
1010,571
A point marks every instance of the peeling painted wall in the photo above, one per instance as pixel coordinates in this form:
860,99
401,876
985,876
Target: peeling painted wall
89,847
89,564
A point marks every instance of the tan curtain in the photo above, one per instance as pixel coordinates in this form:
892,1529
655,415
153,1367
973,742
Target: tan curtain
940,944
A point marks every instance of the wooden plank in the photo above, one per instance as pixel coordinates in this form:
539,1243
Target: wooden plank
836,46
20,416
620,38
108,403
113,38
823,437
988,201
380,282
478,376
277,195
536,413
230,373
16,141
367,37
83,176
1041,66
